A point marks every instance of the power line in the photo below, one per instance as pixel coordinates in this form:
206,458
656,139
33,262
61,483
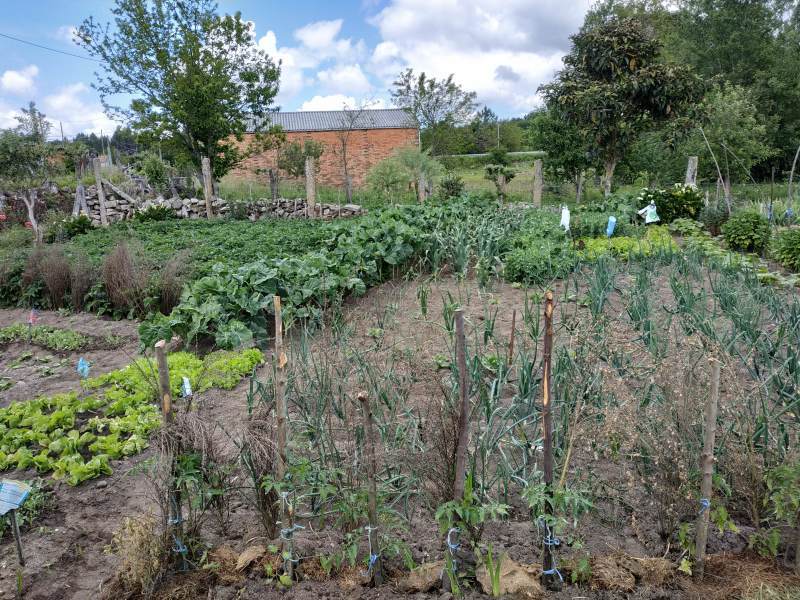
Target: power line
16,39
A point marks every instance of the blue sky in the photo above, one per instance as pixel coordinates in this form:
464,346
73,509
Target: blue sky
334,53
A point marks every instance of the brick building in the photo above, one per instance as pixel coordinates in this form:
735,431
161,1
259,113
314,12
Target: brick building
371,136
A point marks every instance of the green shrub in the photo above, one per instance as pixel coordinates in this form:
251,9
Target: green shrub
540,262
714,217
680,201
451,186
387,178
786,249
747,231
68,228
685,227
155,170
154,212
656,238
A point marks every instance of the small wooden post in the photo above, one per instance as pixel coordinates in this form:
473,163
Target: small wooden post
163,381
80,201
463,416
549,578
101,195
311,187
280,389
273,183
17,537
707,469
421,188
538,183
208,189
691,172
372,466
511,337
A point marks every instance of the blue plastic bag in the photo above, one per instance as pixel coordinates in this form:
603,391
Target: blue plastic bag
612,224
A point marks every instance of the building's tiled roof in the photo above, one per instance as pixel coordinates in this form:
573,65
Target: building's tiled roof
338,120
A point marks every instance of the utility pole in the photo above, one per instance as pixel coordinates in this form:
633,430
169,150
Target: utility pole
63,139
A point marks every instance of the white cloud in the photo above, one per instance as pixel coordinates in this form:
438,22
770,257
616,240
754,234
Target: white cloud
345,79
7,116
66,33
70,106
339,102
19,82
501,51
318,43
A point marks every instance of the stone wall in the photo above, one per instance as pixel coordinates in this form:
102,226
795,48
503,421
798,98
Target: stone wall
120,209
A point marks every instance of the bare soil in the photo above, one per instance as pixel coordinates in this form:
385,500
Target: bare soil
65,553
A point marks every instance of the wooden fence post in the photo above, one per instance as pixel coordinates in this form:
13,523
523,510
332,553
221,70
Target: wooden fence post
707,470
421,188
550,578
511,338
538,183
311,186
375,567
101,195
691,172
208,189
280,389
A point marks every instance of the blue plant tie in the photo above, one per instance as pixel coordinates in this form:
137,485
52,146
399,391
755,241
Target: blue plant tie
372,557
180,547
705,504
553,571
288,533
456,546
186,388
83,367
174,521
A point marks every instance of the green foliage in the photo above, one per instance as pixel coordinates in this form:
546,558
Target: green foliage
387,178
615,85
786,249
51,338
678,202
685,227
656,239
540,263
155,170
783,486
68,228
75,435
225,81
499,175
714,217
292,156
747,231
451,186
154,212
469,514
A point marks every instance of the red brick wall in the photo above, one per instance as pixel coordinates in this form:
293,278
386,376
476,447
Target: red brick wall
365,148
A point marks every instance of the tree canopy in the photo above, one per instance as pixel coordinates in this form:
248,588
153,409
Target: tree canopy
196,77
614,86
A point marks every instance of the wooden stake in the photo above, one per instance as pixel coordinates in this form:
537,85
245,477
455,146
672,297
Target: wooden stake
101,195
707,468
208,190
463,416
280,389
549,578
538,183
511,337
163,381
17,537
372,492
421,188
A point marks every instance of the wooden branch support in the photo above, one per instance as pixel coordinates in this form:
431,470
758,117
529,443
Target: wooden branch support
691,172
17,537
163,381
280,389
208,188
121,193
707,469
80,206
101,195
550,578
464,412
375,567
511,338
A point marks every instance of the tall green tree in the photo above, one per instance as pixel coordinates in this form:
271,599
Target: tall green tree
195,76
437,104
24,166
614,86
33,123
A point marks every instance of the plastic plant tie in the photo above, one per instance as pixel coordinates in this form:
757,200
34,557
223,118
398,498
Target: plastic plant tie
180,547
450,545
186,388
705,504
174,521
83,367
372,557
288,533
554,571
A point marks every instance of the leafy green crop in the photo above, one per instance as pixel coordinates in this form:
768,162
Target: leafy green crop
748,231
786,249
75,435
47,337
656,238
